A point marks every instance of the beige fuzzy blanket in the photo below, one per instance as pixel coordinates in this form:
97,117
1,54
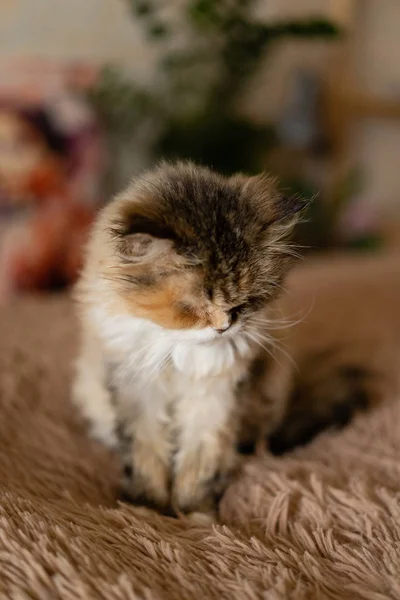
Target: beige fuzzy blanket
321,523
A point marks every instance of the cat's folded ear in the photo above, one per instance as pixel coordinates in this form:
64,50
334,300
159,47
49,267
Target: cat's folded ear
289,208
280,211
142,239
142,247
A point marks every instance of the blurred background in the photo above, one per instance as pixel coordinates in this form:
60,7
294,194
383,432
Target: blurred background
94,91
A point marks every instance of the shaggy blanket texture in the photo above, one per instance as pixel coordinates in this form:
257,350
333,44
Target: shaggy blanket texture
322,522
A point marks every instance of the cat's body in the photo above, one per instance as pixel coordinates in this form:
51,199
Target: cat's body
174,296
338,350
183,411
343,354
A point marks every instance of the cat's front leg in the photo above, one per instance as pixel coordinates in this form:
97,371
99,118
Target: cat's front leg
91,393
145,445
206,456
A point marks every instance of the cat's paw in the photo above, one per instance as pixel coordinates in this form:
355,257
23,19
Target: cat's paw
201,479
146,476
202,519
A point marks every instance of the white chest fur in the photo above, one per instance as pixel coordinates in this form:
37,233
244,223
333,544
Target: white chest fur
149,356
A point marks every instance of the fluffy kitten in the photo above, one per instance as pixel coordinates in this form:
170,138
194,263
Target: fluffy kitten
180,270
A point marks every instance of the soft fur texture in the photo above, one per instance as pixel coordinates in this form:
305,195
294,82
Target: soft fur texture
322,523
180,271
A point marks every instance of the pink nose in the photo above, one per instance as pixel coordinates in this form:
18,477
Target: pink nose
223,329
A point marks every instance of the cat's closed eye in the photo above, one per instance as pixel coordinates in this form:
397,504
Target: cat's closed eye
252,304
236,311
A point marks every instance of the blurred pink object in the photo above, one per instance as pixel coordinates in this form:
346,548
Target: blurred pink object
358,220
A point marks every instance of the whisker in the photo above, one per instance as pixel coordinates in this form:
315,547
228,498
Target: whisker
277,346
268,350
160,368
136,358
274,324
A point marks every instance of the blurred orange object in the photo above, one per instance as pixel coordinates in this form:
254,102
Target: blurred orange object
48,252
51,161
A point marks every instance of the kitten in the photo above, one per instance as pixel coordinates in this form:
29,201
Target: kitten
180,270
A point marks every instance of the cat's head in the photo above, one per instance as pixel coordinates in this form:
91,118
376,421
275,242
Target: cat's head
191,250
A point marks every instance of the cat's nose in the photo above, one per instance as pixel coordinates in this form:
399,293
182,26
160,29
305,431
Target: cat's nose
224,328
220,321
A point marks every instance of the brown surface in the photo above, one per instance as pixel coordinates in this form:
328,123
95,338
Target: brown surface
322,523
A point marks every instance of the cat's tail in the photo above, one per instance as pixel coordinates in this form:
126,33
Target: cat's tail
320,399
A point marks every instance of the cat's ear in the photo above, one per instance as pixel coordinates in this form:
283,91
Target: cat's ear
281,212
141,239
289,208
277,207
142,247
